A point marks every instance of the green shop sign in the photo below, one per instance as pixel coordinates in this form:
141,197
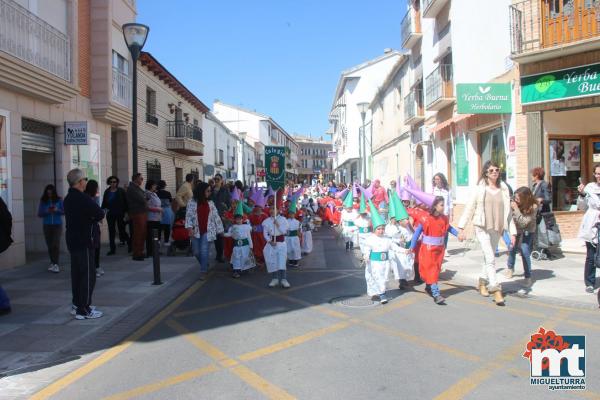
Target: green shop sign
275,166
561,85
484,98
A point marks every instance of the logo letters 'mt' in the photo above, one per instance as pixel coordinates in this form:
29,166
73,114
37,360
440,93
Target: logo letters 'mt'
554,357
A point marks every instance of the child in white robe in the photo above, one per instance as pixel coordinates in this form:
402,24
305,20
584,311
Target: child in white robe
307,227
292,239
275,229
242,245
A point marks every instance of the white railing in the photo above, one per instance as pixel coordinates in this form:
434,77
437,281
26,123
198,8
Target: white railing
121,88
33,40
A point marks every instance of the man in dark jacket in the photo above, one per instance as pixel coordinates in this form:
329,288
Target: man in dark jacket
81,212
222,199
138,213
5,241
115,202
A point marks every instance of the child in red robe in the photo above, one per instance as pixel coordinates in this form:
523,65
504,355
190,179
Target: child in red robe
434,228
256,219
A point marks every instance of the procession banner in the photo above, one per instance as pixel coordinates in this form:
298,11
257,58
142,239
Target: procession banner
275,166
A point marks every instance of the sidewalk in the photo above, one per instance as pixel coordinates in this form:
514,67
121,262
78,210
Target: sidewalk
40,331
559,280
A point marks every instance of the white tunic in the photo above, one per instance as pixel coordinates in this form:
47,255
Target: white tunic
349,232
403,259
376,272
240,256
275,252
307,242
294,252
363,222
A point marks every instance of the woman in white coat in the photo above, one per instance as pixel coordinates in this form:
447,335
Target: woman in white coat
589,200
489,210
204,229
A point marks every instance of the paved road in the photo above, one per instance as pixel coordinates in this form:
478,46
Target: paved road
324,339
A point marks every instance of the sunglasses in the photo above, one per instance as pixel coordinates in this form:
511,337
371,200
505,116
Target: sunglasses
493,170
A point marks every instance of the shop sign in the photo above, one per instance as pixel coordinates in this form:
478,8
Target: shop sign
484,98
275,166
76,133
462,163
560,85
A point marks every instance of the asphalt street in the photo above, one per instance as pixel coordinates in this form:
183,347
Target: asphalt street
324,338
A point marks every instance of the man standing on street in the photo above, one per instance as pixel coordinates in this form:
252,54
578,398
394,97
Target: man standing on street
81,212
222,199
138,213
186,191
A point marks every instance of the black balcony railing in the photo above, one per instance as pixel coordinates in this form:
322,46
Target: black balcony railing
181,129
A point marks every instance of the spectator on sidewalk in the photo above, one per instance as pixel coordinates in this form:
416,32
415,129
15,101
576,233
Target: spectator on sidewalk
203,223
186,191
5,242
221,197
51,210
441,188
589,201
524,210
81,212
541,190
489,211
154,215
91,189
115,202
168,215
138,214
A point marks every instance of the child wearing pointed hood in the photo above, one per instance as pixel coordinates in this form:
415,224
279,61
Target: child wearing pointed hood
349,229
240,234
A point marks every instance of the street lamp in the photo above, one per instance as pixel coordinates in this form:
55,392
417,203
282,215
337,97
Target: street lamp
135,37
362,108
242,140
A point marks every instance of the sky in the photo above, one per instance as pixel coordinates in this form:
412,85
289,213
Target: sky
282,58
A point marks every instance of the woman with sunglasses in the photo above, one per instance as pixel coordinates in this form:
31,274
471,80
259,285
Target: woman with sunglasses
490,212
114,202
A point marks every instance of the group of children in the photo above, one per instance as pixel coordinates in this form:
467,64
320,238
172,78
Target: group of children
410,245
270,233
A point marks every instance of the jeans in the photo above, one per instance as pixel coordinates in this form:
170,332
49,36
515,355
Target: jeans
281,274
114,223
52,234
488,239
589,274
200,250
525,242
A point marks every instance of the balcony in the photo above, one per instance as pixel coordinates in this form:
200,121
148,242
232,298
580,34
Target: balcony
431,8
411,28
439,88
413,107
184,138
121,88
35,57
542,30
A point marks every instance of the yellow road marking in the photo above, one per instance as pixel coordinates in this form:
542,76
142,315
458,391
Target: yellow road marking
154,387
490,304
422,341
207,348
260,384
217,306
293,341
111,353
394,306
582,324
317,283
468,383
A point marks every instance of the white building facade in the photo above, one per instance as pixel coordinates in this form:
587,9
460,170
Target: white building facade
221,149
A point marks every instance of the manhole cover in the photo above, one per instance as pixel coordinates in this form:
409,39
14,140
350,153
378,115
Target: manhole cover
354,301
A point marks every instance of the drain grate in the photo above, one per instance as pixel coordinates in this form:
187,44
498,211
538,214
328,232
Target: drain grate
354,301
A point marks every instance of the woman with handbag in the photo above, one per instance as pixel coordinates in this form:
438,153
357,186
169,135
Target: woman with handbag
589,201
524,216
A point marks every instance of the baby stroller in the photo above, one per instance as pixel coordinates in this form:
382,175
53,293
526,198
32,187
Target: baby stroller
180,238
547,237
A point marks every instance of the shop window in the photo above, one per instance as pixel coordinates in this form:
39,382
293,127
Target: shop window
492,148
153,170
87,158
151,106
565,170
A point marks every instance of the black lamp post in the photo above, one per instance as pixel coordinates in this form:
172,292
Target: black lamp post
135,37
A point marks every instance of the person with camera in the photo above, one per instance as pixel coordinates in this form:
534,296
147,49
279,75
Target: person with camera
524,210
589,201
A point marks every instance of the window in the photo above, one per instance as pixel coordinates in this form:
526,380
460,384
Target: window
565,170
120,63
153,170
195,122
151,106
220,159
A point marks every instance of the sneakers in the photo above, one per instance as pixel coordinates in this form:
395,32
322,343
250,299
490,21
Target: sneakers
236,274
93,314
74,309
589,289
508,273
439,300
383,299
403,284
54,268
99,272
274,282
203,276
528,282
285,284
